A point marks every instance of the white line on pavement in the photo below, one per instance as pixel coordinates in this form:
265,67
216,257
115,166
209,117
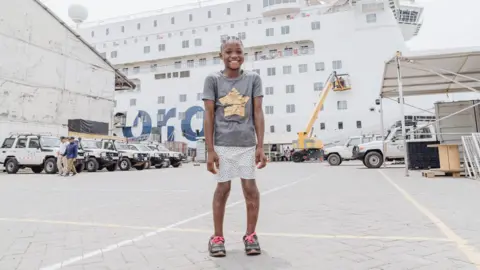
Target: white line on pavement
154,233
462,244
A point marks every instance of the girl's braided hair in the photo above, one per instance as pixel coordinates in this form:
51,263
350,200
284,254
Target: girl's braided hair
230,39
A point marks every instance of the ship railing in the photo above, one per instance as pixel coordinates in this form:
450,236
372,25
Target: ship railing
199,63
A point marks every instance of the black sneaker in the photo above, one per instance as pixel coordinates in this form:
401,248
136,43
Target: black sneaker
216,246
252,246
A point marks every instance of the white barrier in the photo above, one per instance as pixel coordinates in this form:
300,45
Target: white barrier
471,155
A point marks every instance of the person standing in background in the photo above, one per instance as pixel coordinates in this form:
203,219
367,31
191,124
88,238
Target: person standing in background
61,157
72,153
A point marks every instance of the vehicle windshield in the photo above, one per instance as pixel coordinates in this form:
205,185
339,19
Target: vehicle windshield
153,148
162,148
91,144
143,148
50,141
121,146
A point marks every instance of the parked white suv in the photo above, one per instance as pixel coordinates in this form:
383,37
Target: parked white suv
372,154
97,157
131,158
35,151
174,157
335,155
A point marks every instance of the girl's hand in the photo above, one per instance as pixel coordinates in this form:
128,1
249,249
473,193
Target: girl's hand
260,158
213,162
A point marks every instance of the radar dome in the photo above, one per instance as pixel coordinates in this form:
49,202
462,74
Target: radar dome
77,13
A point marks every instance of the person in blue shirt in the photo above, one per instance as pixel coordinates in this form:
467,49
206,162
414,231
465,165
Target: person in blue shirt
71,153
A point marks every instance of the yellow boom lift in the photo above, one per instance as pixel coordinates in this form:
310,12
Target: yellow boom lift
308,147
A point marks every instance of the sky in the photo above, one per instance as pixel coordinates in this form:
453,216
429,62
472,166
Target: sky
447,23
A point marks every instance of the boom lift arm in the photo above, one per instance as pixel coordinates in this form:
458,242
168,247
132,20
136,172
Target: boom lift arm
306,146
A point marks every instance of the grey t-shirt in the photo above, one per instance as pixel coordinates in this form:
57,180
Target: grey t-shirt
234,123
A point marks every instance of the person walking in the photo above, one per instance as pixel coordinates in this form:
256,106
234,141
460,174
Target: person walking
61,157
71,153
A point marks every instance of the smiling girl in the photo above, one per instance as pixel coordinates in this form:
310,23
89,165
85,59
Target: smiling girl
234,130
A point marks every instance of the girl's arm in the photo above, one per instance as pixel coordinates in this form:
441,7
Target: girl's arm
208,123
259,120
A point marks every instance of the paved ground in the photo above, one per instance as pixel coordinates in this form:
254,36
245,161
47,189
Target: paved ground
312,217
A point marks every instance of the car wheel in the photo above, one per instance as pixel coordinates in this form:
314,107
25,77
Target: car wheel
334,159
373,160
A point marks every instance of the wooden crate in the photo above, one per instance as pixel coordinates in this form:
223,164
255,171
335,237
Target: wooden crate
438,173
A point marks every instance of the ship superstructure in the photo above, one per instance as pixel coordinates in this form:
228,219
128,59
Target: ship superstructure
293,44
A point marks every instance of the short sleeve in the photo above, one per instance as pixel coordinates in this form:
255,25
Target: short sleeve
209,88
257,86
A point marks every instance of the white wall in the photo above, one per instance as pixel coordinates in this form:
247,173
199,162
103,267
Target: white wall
47,75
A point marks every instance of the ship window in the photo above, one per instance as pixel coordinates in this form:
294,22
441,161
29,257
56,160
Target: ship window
340,125
160,76
271,71
320,66
337,64
169,75
259,21
190,17
133,102
269,90
190,63
185,74
371,18
198,42
288,51
322,126
93,33
209,14
183,98
199,115
359,124
290,89
107,31
289,128
199,96
125,71
249,8
272,129
181,115
175,74
155,23
114,54
219,27
194,31
161,47
242,35
202,61
232,25
216,60
302,68
146,49
269,109
342,105
285,30
185,44
257,71
287,69
269,32
169,35
228,11
136,70
408,16
290,108
122,29
318,86
206,29
172,20
161,100
161,114
316,25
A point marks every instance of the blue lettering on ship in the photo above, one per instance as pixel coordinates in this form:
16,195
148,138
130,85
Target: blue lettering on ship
186,126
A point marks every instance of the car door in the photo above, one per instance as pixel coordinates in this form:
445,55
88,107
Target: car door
34,153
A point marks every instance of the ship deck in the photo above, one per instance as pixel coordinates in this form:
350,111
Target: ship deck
313,216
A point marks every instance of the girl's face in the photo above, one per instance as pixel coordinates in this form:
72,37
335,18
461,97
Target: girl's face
232,55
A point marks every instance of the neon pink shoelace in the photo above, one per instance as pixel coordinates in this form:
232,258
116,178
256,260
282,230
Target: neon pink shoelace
218,240
250,239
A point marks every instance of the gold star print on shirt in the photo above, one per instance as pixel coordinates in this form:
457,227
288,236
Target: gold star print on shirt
234,103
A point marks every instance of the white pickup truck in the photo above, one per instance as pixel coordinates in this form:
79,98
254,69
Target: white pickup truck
335,155
372,153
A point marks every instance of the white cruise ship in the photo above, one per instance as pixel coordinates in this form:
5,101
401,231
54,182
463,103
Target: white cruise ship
293,44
